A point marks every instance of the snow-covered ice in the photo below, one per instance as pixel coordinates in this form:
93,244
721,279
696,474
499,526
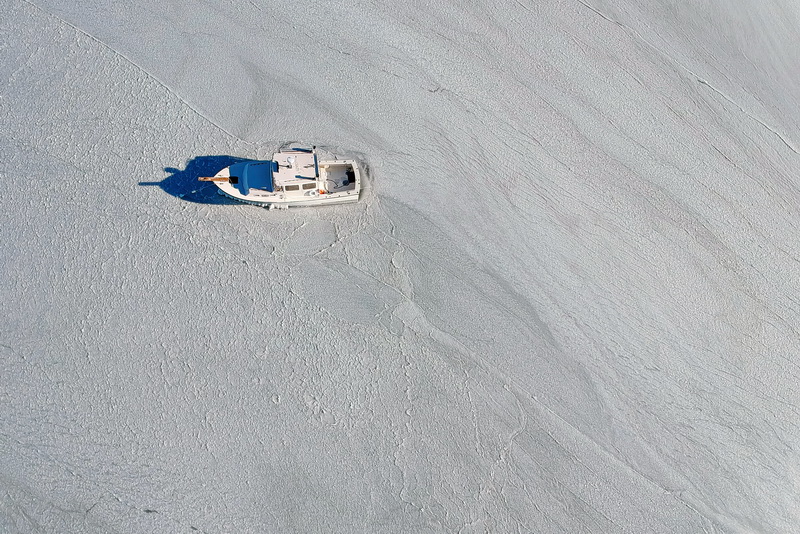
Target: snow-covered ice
566,302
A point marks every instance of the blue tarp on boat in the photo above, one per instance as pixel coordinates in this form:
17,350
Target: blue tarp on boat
254,175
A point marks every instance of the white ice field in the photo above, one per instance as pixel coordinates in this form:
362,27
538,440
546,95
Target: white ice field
568,300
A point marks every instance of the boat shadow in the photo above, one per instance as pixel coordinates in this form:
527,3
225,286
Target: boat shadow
184,184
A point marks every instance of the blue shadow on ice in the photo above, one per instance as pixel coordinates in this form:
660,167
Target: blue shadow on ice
184,184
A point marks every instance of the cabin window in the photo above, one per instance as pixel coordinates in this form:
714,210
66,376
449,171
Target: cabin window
310,186
295,187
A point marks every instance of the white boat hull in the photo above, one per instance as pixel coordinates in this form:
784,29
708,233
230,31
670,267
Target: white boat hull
280,201
294,178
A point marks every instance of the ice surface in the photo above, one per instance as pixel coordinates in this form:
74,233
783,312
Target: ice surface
567,301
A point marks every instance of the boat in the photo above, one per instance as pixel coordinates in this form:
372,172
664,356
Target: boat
295,176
